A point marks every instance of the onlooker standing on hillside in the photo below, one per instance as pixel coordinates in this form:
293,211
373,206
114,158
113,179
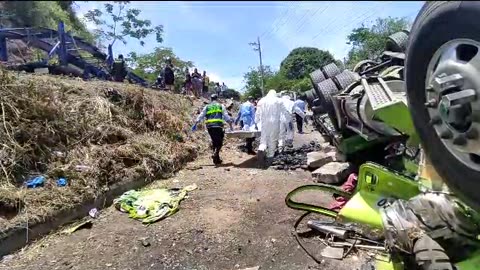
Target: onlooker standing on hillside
119,71
188,84
218,89
206,82
197,83
223,88
169,76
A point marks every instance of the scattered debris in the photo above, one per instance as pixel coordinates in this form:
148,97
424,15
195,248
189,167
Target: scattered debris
38,181
333,252
83,225
294,158
145,242
252,268
61,182
59,154
348,186
93,213
151,205
333,172
82,168
194,168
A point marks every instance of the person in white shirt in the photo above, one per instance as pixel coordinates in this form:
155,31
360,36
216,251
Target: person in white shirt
299,106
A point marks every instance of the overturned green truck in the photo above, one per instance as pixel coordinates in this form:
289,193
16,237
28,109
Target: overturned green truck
413,116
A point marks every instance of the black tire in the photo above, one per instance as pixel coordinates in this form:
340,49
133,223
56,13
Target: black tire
317,76
310,96
331,70
326,90
344,79
429,255
436,24
397,42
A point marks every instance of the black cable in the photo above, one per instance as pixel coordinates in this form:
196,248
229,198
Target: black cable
298,239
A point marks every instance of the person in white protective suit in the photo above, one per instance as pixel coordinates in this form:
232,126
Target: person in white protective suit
270,110
246,115
286,126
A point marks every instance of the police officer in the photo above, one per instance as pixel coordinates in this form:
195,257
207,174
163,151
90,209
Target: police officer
215,115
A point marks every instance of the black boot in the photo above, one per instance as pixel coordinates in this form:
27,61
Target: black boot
249,146
216,157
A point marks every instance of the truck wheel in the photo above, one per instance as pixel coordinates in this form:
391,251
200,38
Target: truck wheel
331,70
442,65
345,78
327,89
429,255
310,96
316,77
397,42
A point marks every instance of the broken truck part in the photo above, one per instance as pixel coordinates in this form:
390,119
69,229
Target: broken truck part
409,206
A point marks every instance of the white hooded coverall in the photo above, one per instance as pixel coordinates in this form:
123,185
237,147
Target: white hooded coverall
269,111
286,127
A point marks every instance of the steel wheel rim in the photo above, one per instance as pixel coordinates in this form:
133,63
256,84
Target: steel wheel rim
452,93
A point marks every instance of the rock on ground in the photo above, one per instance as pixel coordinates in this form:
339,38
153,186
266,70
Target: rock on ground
316,160
333,172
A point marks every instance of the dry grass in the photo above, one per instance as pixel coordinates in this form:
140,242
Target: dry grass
118,132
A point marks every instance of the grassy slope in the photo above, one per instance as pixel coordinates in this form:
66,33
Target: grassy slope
51,125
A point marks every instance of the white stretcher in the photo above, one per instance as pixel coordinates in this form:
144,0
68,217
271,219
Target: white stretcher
243,134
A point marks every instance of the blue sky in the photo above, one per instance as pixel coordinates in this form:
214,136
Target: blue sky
215,35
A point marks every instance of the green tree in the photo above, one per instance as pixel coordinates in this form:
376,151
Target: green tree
302,61
279,82
43,14
117,22
369,42
252,81
231,93
78,26
151,64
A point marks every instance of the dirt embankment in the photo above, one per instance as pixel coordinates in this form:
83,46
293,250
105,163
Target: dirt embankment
94,134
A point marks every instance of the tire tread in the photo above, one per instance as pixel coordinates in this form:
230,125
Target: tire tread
331,70
429,255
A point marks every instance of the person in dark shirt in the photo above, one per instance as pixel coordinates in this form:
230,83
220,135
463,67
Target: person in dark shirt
206,82
119,71
197,83
169,76
188,84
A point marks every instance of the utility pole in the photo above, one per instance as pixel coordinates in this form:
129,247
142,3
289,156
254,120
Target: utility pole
257,47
